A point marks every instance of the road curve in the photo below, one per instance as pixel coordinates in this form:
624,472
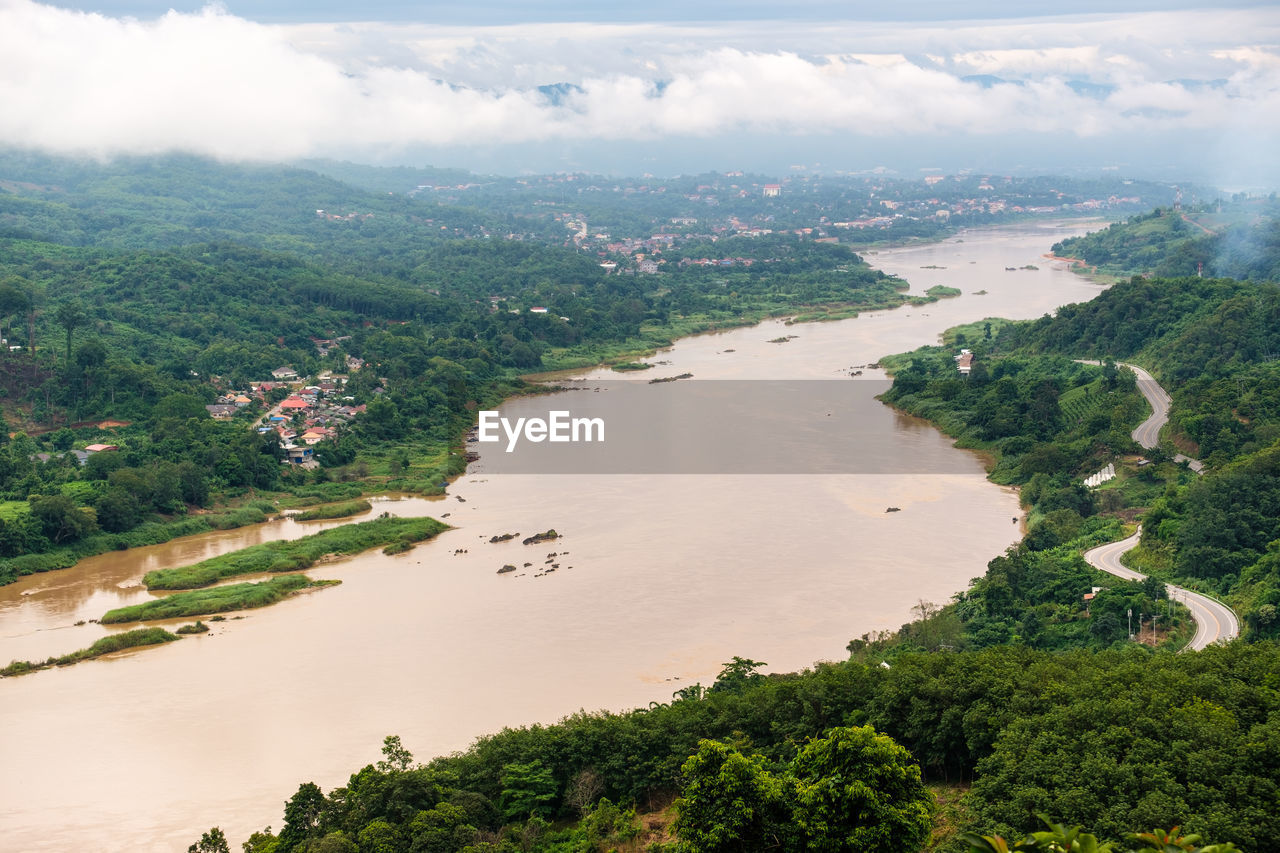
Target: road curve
1215,622
1148,432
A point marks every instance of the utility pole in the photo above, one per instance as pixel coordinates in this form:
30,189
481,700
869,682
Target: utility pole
1131,623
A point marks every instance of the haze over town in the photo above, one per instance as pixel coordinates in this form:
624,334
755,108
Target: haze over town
1170,90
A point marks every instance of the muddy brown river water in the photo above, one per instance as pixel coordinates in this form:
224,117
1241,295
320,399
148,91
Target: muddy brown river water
670,576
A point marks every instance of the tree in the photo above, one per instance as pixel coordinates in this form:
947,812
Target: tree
118,510
61,520
301,815
527,789
583,790
396,759
70,316
442,829
334,842
261,841
730,803
91,354
382,419
379,836
737,674
212,841
859,790
180,406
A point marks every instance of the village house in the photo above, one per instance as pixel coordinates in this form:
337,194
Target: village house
299,455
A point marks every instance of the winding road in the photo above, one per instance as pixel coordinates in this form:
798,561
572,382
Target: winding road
1214,620
1148,432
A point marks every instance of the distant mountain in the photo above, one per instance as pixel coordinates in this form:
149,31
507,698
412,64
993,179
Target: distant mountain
181,200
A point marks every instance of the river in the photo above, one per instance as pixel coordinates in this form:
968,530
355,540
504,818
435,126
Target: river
662,578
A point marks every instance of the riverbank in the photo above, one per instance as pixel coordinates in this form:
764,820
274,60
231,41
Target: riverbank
151,533
338,510
1081,267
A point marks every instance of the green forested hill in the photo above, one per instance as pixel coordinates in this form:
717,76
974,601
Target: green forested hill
1215,342
165,202
1239,239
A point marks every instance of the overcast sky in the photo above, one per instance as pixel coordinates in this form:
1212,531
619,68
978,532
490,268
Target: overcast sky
662,86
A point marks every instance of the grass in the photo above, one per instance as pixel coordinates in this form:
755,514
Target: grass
288,556
433,463
320,493
823,316
974,332
951,817
241,517
220,599
105,646
339,510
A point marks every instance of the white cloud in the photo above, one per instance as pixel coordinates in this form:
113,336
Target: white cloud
221,85
1059,60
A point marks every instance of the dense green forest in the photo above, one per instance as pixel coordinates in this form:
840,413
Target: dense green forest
1122,740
